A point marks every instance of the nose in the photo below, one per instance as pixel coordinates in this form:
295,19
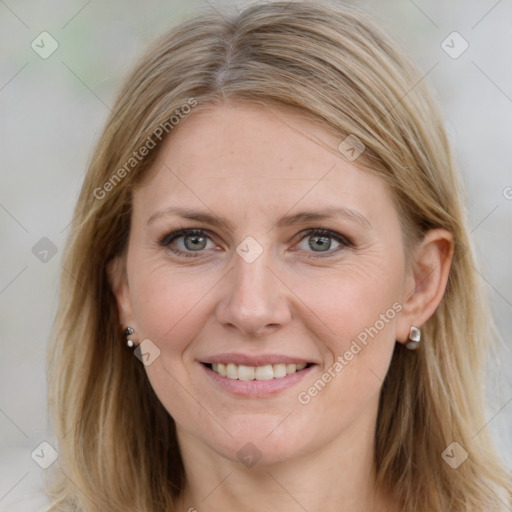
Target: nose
254,299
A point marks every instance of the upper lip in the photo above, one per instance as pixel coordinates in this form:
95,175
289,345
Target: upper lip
255,360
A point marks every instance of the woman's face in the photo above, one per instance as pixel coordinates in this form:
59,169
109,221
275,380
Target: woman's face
255,290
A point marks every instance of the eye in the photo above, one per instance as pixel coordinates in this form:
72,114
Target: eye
320,241
196,240
193,240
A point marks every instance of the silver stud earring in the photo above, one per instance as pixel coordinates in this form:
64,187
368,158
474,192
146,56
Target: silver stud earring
129,331
414,338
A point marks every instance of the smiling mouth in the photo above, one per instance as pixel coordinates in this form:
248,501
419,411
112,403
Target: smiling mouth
266,372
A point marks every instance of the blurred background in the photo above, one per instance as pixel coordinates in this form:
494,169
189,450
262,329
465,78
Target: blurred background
61,64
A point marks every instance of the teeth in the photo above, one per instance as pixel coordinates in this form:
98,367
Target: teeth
266,372
221,369
279,370
245,372
232,371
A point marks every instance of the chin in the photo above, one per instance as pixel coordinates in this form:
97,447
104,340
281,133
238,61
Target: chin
262,440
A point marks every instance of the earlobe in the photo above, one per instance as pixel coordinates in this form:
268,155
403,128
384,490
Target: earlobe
426,282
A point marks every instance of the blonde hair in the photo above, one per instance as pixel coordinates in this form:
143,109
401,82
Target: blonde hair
118,449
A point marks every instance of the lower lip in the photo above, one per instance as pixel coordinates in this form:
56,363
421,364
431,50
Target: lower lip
257,388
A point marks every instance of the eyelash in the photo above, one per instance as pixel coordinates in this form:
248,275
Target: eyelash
171,237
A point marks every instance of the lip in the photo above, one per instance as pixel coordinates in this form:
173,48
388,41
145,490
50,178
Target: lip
256,388
255,360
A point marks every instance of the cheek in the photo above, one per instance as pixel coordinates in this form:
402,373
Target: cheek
357,330
170,309
169,302
346,303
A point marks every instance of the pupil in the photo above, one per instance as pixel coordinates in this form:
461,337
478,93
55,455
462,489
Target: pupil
323,241
194,239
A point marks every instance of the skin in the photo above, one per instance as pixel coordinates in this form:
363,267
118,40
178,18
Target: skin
251,166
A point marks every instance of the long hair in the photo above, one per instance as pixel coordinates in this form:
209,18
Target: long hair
117,443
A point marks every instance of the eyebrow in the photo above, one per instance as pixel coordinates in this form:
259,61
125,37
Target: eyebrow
286,220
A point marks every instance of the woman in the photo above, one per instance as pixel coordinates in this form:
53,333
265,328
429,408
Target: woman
269,300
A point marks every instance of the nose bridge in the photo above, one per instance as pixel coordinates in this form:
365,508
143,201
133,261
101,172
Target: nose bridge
254,299
251,280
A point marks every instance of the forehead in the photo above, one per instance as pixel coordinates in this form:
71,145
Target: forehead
241,159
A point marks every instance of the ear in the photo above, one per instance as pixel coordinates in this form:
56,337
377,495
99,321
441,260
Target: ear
426,281
116,272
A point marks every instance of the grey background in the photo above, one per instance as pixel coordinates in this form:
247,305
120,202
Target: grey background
52,111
